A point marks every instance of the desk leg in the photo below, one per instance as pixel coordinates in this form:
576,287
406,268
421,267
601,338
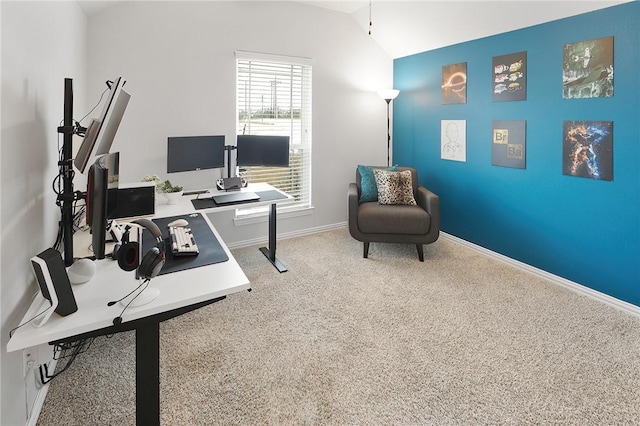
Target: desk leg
270,253
148,374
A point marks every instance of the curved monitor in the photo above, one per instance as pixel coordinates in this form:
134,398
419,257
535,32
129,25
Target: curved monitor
261,150
189,153
101,132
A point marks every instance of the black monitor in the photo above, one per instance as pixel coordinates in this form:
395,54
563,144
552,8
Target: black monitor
101,132
102,198
260,150
189,153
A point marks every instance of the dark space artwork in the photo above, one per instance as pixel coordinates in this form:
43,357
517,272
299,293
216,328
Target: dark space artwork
588,149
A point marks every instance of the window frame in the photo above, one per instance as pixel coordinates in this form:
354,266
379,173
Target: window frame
300,130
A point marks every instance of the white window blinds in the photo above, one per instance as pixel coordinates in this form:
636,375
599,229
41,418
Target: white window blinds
274,98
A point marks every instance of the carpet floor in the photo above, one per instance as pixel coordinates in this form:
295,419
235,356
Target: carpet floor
342,340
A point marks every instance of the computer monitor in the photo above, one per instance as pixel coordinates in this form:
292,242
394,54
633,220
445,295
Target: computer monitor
261,150
189,153
102,198
101,131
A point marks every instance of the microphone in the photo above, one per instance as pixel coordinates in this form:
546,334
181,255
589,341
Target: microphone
118,320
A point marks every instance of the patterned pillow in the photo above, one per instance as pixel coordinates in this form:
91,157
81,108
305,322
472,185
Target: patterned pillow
394,187
368,187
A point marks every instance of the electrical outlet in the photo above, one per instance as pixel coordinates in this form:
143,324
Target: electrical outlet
29,357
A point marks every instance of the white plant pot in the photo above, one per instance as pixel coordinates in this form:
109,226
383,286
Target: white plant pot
173,197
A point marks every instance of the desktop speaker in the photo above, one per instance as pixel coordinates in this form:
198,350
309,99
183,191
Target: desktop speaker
48,267
136,200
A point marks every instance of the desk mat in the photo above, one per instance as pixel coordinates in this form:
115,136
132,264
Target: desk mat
211,250
208,203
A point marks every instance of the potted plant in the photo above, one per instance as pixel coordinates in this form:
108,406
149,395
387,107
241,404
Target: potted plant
171,192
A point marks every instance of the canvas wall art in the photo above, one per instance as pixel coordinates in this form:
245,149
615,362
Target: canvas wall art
510,77
588,149
588,69
454,84
509,144
453,134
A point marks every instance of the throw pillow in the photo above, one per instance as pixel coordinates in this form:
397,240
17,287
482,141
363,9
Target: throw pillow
394,187
368,186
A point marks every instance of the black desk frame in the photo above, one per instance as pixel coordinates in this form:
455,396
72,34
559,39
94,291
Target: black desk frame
270,252
147,357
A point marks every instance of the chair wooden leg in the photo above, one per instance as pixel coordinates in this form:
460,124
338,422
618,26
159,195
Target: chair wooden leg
366,250
420,252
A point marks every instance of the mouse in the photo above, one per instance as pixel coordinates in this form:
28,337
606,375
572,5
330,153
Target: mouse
178,222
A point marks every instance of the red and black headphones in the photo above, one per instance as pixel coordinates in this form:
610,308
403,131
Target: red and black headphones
127,253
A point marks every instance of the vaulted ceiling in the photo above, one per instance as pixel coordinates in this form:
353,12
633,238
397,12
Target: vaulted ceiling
404,28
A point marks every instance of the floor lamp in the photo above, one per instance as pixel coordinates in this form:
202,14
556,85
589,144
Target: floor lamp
388,95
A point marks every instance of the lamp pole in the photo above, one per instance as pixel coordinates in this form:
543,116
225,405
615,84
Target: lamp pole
388,134
388,95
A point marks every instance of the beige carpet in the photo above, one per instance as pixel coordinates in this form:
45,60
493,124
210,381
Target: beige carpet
458,339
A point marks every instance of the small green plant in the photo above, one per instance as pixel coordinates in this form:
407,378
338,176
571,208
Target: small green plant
154,178
168,187
161,186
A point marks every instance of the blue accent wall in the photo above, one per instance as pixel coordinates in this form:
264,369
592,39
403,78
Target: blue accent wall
585,230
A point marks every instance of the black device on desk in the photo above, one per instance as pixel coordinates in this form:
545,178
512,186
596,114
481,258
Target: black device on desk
235,198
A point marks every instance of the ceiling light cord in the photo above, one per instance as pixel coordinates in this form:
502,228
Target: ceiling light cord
370,17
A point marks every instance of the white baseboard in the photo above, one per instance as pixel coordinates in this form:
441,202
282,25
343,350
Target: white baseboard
287,235
578,288
573,286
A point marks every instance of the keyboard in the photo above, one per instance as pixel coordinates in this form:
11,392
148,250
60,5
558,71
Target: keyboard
182,241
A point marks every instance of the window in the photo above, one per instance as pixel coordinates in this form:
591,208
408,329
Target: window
274,98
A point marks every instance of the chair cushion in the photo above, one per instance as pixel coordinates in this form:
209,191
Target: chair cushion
374,218
368,187
394,187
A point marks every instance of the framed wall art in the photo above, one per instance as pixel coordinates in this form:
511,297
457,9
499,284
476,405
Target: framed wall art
453,136
454,84
587,149
588,69
509,144
510,77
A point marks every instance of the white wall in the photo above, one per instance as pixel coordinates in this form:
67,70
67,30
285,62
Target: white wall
42,44
178,59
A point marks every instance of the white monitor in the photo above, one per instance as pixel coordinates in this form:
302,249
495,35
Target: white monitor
101,131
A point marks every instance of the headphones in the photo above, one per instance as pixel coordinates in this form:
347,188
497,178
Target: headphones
127,253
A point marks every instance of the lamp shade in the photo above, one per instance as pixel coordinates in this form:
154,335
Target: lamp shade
388,94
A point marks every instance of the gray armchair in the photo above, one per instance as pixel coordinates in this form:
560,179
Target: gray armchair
412,224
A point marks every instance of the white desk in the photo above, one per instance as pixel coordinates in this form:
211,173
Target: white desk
180,292
185,206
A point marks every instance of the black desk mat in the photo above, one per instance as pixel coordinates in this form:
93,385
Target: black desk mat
211,250
208,203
